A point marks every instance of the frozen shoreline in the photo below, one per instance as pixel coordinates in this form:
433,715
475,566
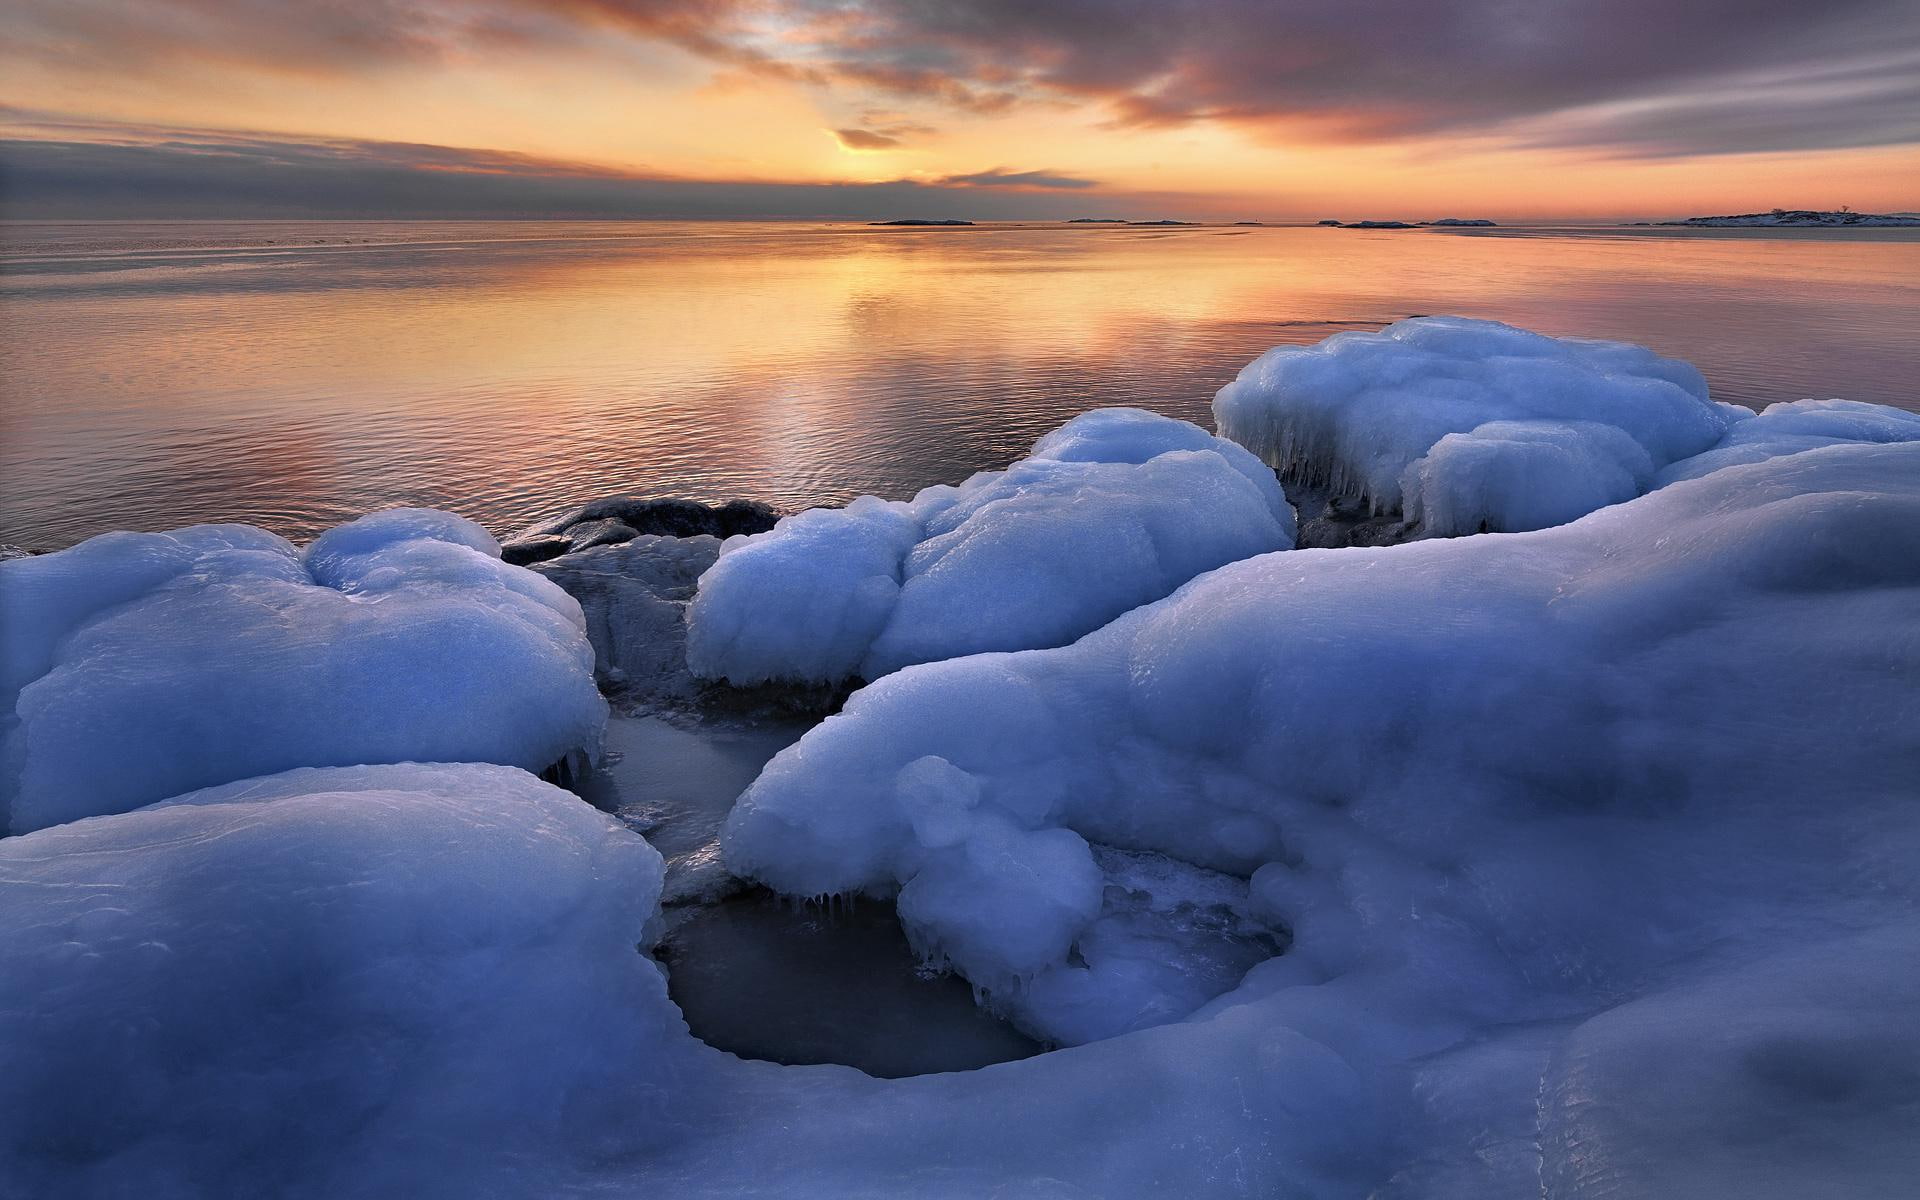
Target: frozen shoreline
1579,857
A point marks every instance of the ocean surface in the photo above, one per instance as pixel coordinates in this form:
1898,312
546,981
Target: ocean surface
297,374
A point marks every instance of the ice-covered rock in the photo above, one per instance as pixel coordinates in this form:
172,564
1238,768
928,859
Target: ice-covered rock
349,981
1465,424
634,594
1595,845
138,666
1792,426
1112,510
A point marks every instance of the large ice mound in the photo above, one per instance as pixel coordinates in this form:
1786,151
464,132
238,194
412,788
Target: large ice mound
349,981
1112,510
1466,425
136,666
1597,845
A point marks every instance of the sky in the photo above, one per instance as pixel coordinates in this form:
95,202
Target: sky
983,109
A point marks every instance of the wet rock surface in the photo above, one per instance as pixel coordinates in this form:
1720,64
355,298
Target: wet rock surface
619,519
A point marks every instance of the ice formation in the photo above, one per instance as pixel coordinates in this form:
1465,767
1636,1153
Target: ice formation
1467,425
426,981
1596,845
1591,852
1114,509
137,666
329,982
1579,862
1790,427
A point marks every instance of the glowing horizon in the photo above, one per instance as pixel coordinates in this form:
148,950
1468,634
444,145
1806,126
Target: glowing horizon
793,108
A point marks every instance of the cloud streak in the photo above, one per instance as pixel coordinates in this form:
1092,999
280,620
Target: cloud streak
78,169
865,139
1004,178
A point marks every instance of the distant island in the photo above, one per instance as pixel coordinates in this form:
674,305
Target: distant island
918,221
1259,224
1124,221
1797,218
1452,221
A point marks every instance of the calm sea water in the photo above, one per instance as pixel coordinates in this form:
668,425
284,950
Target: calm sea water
295,374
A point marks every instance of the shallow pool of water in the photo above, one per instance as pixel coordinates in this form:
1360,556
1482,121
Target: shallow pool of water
761,977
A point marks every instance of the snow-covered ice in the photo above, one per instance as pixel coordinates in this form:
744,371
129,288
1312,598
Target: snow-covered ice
138,666
1465,424
1114,509
1545,817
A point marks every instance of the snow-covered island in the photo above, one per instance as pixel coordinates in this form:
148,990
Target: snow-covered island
1803,218
1487,766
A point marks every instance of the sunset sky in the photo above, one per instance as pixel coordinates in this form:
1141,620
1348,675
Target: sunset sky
977,108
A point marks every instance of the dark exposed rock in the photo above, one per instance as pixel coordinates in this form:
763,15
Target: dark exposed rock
1332,522
608,531
621,518
526,551
634,594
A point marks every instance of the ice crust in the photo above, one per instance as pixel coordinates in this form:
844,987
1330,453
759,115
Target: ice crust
1466,425
1596,845
137,666
1114,509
